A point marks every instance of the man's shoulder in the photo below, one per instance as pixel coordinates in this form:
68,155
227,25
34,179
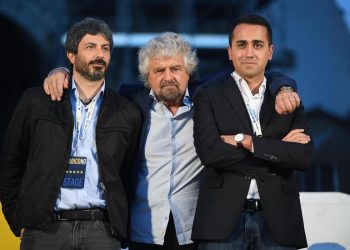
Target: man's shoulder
118,100
132,91
214,82
35,94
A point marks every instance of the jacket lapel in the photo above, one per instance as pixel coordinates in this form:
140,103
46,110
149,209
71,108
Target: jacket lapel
267,109
234,97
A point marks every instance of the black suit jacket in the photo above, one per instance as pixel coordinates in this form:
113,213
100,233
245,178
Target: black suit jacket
220,110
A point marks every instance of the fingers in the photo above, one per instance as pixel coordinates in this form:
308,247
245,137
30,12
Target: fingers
295,131
228,139
292,134
55,90
46,87
297,99
298,136
66,82
279,109
57,81
286,102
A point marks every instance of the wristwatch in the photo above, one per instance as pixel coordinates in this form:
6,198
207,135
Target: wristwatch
286,88
239,138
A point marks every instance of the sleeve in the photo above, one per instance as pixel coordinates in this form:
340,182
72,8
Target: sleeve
127,168
13,161
287,155
278,80
269,152
212,151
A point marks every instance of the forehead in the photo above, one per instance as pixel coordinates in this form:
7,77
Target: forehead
96,39
166,61
248,32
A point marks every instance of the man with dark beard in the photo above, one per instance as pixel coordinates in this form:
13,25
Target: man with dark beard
65,166
167,168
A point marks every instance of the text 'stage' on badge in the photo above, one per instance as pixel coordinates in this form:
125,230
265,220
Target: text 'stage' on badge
75,173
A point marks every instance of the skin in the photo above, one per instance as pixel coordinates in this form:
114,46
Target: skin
168,79
250,52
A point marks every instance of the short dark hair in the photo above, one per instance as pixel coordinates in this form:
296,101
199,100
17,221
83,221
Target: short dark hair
254,20
91,26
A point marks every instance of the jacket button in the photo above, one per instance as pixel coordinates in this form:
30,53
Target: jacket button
272,157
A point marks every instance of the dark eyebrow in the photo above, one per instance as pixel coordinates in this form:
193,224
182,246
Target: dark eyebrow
258,41
241,41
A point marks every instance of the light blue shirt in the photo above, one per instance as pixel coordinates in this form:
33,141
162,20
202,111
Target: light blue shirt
168,179
92,194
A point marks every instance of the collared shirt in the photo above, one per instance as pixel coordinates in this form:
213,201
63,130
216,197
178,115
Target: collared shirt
253,105
168,179
85,146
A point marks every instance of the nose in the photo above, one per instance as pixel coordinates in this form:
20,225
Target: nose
249,51
100,53
168,75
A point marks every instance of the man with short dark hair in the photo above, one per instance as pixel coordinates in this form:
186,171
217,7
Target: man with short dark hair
66,166
249,196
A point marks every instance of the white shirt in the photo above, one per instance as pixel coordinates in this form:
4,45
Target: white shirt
253,102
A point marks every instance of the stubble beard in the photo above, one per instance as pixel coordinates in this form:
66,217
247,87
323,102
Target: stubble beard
96,74
170,92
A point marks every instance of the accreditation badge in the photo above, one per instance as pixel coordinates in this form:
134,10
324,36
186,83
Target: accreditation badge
75,173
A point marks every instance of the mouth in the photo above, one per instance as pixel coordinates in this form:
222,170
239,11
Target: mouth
249,63
169,85
98,63
95,65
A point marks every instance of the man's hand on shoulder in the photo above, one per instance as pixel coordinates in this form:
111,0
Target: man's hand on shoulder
286,101
56,82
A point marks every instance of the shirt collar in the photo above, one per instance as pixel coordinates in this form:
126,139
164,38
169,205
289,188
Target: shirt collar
76,94
242,83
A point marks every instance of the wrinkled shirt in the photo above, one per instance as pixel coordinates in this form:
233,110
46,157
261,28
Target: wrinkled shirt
168,178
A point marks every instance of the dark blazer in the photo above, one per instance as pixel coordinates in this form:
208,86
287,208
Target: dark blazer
220,110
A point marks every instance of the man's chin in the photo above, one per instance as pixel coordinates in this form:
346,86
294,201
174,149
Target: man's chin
170,95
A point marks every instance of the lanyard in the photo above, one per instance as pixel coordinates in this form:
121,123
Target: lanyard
78,110
254,117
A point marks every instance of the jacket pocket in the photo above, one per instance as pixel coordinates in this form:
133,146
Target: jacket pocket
211,182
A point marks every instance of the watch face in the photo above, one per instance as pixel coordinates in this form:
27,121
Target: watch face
239,137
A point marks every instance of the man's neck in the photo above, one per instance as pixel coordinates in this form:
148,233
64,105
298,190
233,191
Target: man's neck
87,89
172,106
254,83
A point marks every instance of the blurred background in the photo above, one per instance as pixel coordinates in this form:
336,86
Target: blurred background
312,45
